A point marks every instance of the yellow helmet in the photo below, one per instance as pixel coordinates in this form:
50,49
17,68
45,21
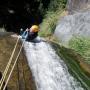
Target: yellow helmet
34,28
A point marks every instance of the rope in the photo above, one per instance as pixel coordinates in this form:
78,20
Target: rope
8,65
13,66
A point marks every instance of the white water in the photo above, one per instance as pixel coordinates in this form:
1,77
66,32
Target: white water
73,26
49,71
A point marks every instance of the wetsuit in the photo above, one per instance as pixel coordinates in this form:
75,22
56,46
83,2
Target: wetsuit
29,36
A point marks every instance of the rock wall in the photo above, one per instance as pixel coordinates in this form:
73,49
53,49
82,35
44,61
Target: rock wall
21,78
74,6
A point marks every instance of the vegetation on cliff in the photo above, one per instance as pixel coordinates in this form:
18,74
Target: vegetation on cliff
82,46
56,9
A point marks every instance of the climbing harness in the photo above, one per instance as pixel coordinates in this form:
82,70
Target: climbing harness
8,65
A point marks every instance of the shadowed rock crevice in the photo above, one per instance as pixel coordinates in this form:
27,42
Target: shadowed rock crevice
21,13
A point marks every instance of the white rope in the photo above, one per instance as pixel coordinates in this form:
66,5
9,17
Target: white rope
13,66
8,65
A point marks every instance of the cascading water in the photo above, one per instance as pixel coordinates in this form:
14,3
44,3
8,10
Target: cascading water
49,71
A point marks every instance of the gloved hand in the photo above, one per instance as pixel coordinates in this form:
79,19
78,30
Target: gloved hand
27,29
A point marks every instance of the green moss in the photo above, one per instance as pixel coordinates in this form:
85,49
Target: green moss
52,15
82,46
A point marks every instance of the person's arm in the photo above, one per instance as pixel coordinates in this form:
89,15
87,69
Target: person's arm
25,34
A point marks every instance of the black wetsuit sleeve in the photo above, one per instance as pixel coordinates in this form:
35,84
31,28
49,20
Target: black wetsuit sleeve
32,35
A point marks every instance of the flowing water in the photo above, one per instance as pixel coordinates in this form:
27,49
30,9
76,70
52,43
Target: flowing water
48,69
73,26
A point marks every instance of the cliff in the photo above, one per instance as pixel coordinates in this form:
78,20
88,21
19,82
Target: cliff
74,6
21,78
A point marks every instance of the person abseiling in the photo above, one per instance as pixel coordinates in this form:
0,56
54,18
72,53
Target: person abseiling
31,34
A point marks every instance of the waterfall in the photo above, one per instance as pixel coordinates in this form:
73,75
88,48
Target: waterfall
76,25
48,69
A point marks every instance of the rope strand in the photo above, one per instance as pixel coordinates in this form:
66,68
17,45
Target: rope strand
8,65
13,66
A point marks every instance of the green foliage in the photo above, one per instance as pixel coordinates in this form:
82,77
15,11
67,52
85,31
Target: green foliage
55,4
55,9
82,46
49,23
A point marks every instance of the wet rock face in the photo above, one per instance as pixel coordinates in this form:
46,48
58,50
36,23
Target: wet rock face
21,78
74,6
73,25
